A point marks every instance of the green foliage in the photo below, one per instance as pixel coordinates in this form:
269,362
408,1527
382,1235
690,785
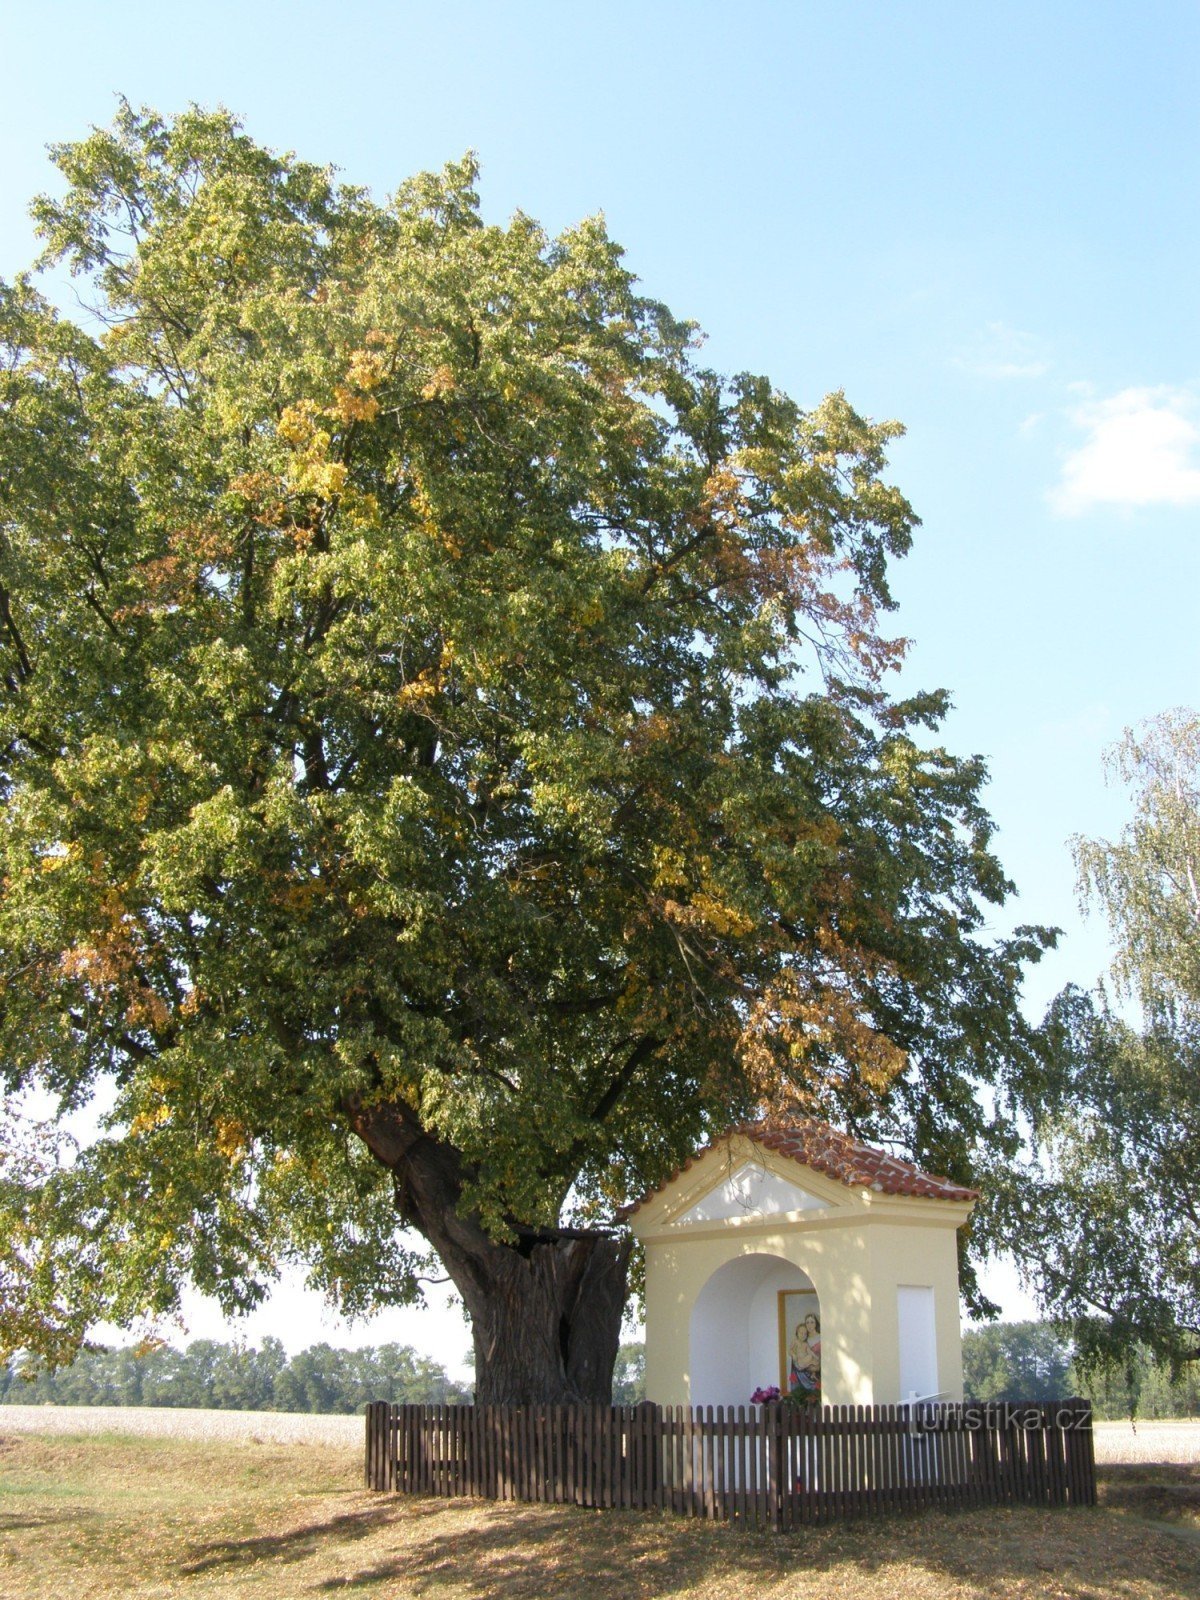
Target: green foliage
1036,1361
424,686
1108,1228
629,1375
1142,1386
1016,1361
1147,882
236,1377
1108,1222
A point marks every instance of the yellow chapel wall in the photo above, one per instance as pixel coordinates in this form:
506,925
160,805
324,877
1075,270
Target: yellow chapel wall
921,1255
835,1259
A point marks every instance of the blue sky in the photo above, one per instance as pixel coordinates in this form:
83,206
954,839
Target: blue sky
979,220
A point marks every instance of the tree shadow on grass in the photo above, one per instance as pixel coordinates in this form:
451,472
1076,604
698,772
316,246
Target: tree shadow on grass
541,1551
525,1553
48,1519
1168,1492
18,1521
297,1544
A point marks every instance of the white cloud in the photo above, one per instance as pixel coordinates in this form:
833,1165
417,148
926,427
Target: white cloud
1001,353
1141,448
1014,369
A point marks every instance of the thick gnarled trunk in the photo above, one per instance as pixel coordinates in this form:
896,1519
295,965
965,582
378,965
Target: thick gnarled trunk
545,1310
548,1325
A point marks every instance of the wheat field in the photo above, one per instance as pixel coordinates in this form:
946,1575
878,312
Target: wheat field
1139,1442
1116,1442
179,1422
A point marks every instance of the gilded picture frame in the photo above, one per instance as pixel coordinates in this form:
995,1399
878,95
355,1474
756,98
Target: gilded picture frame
800,1342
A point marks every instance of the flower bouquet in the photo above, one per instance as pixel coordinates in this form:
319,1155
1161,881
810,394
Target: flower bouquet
799,1397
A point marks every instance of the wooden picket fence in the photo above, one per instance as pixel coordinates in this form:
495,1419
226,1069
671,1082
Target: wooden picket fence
767,1466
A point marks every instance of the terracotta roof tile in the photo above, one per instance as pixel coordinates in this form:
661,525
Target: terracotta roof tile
838,1155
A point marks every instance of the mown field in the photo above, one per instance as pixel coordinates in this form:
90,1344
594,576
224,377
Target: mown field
100,1516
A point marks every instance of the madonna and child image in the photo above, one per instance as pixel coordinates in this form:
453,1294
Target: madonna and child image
799,1344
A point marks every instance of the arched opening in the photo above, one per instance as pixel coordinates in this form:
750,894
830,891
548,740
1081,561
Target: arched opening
734,1335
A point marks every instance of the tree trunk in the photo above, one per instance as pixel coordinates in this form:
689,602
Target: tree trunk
549,1324
545,1310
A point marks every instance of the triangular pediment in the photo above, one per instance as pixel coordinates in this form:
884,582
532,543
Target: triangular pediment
802,1174
750,1190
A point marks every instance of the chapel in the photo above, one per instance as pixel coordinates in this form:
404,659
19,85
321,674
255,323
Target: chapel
788,1255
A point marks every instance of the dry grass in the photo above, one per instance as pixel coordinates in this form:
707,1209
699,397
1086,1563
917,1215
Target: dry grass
96,1518
1158,1493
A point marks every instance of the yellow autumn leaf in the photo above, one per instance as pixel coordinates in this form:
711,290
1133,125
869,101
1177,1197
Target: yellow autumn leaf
230,1138
720,917
441,382
297,423
366,369
321,478
350,407
154,1117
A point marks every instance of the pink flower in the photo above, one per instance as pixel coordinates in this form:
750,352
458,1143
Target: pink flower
762,1396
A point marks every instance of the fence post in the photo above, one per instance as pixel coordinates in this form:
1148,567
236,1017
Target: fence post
775,1461
1081,1453
377,1430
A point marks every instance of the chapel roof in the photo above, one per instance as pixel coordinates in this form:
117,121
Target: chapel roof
838,1155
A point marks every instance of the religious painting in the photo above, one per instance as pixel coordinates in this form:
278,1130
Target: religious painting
800,1344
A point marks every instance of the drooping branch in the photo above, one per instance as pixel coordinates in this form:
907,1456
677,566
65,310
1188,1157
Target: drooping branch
24,663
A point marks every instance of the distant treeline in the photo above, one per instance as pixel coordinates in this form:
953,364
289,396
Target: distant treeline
1003,1361
238,1377
1032,1361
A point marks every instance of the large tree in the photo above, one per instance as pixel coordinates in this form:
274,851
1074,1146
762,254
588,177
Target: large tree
446,754
1107,1222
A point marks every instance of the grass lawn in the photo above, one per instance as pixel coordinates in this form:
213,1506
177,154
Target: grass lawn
118,1516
